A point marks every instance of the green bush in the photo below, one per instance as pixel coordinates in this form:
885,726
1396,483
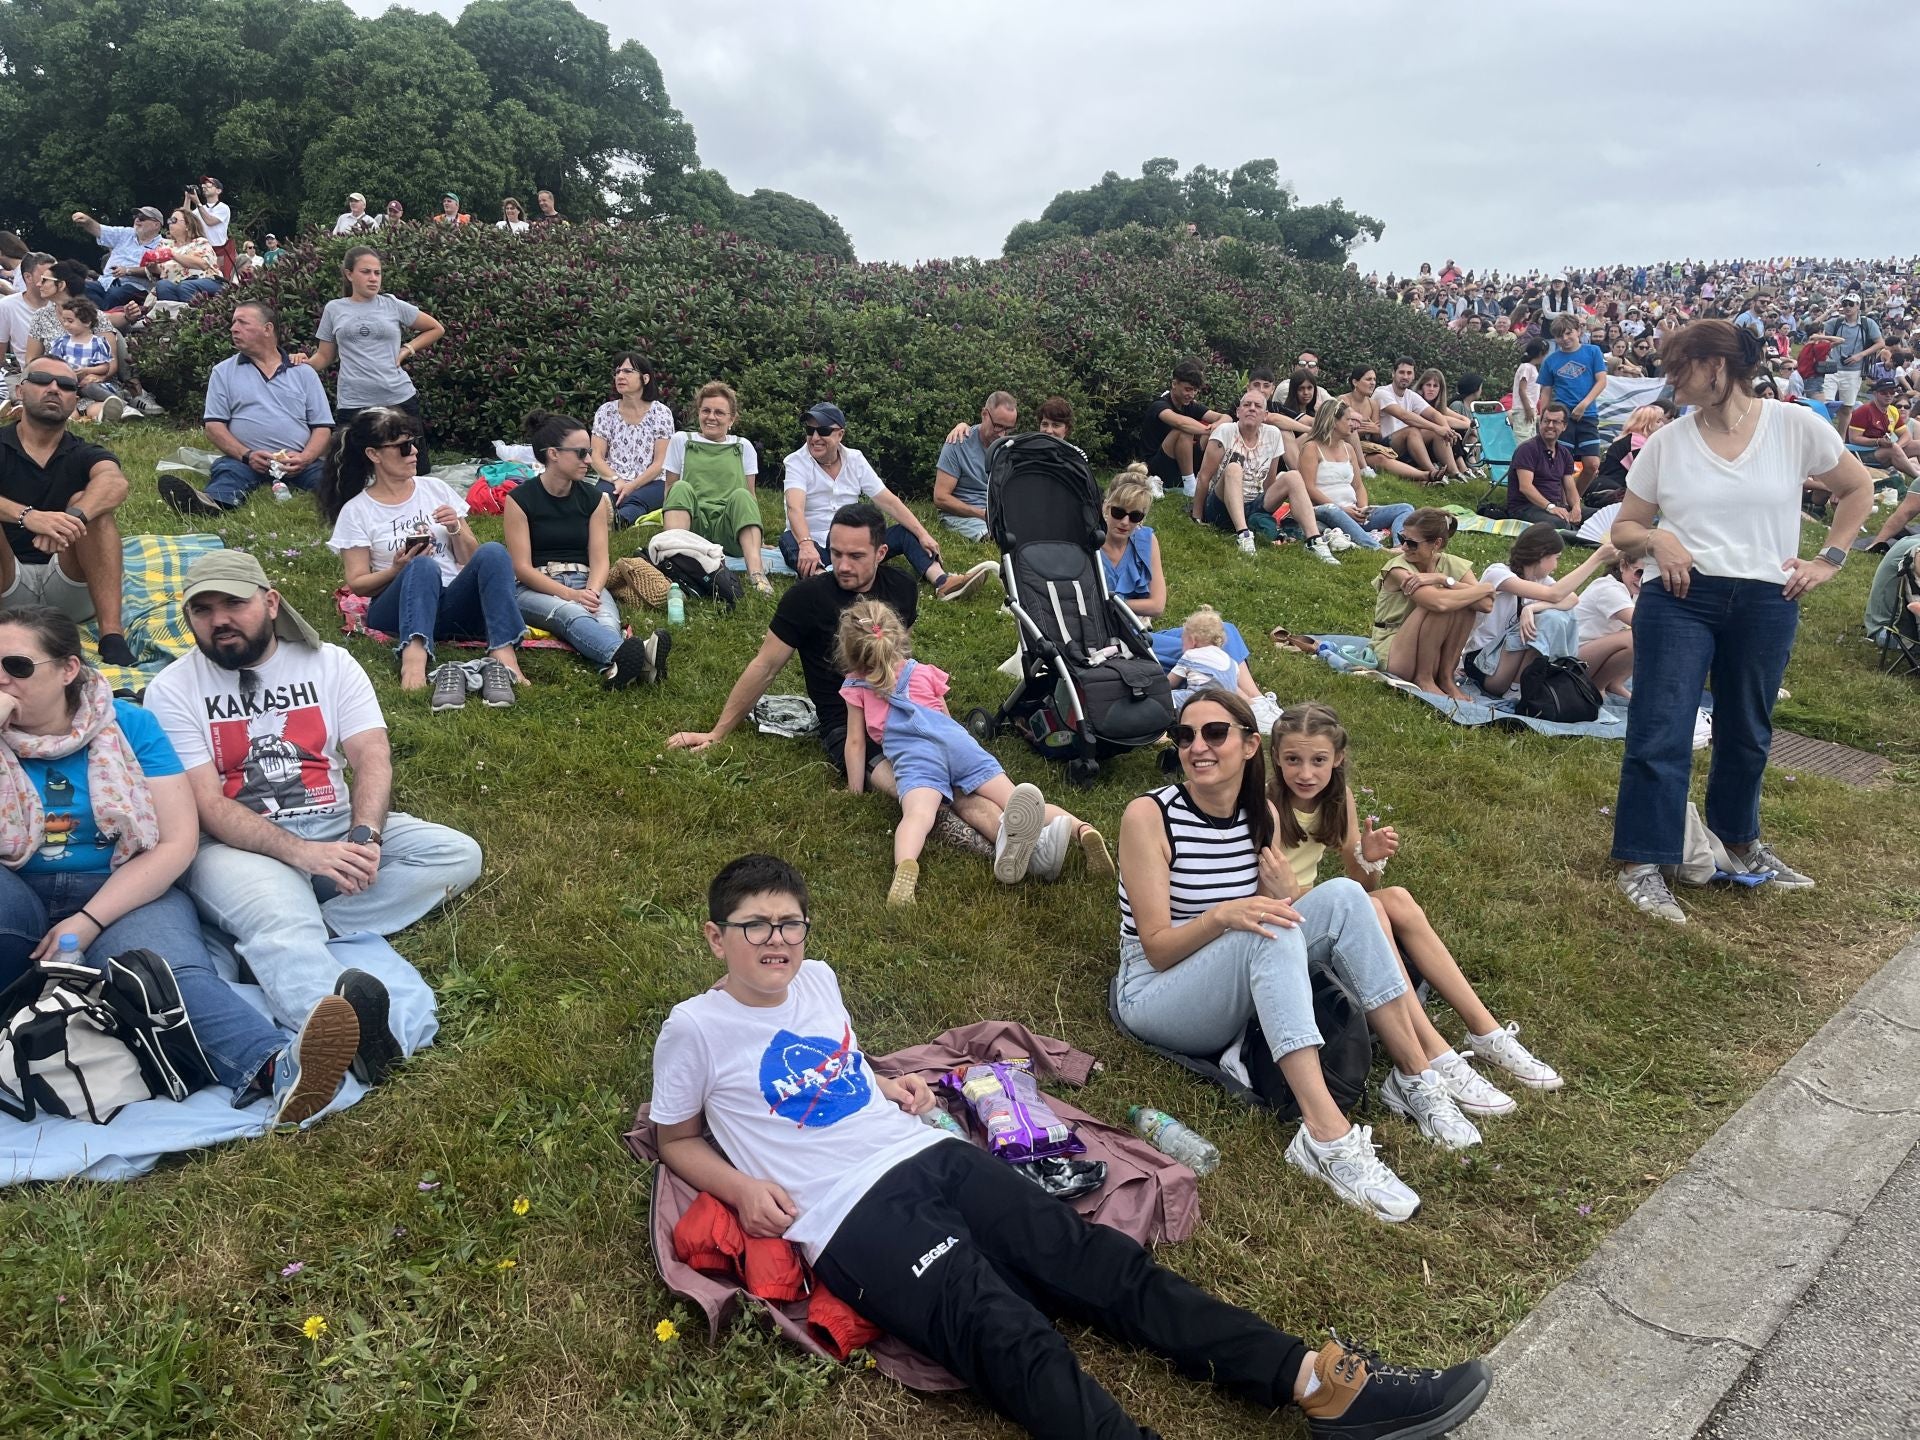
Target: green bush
532,321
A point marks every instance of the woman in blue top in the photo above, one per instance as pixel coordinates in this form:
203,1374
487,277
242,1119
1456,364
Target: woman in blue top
97,822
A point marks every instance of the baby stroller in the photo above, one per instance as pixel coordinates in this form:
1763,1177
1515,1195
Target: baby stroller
1089,684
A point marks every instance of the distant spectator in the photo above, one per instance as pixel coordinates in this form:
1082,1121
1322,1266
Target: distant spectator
711,477
1611,483
512,218
1056,417
215,217
1292,413
18,312
545,213
396,212
250,258
1174,431
13,250
1575,373
185,267
1872,424
1421,439
1365,399
356,220
123,275
270,250
630,435
1242,460
450,212
1432,388
1310,362
1857,340
960,478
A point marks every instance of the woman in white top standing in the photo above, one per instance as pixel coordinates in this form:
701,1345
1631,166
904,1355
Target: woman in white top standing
630,435
367,331
1720,599
216,215
512,217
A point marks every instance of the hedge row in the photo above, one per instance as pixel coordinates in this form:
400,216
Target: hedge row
533,320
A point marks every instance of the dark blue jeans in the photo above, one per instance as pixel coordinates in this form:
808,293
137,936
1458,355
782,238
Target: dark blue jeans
237,1038
233,480
900,541
478,604
112,294
644,501
1739,634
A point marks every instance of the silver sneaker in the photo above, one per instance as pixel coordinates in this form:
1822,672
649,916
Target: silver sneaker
1246,543
1759,859
1647,888
1050,851
1020,826
1503,1048
1338,540
1471,1091
1426,1100
449,687
1353,1170
1319,549
496,685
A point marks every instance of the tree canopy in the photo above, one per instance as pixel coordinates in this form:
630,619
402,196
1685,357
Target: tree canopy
1250,203
294,103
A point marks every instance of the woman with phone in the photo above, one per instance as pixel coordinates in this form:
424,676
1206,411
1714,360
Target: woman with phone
404,542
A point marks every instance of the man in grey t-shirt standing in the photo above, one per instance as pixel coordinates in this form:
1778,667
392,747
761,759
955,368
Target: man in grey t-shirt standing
1860,341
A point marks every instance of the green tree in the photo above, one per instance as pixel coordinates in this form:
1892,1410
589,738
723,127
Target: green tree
786,222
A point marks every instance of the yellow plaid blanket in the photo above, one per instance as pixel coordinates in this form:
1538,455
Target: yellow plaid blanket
156,622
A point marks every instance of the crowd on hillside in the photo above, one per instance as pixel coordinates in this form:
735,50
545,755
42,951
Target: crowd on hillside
222,806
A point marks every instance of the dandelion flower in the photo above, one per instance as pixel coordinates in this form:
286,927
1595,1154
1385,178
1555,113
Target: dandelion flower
665,1331
521,1205
505,1263
315,1327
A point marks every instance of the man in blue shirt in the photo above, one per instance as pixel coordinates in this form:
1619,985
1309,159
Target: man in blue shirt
960,479
267,416
122,276
1575,374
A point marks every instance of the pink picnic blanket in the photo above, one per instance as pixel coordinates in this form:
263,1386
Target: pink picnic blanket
1149,1196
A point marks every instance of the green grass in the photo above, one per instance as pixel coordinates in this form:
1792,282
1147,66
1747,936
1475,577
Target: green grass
158,1308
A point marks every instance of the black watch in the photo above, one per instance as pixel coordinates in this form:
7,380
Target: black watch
363,835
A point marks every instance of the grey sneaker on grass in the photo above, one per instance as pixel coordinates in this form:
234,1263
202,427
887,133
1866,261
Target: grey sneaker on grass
449,687
1647,888
1759,859
496,685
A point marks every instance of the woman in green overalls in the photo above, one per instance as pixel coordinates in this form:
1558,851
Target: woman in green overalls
710,478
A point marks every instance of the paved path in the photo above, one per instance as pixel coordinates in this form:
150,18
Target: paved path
1847,1360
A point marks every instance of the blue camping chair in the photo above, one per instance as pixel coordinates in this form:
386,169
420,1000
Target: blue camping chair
1496,446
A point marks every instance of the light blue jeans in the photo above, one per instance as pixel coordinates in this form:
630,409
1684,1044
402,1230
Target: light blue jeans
280,917
970,526
1381,517
1201,1005
594,633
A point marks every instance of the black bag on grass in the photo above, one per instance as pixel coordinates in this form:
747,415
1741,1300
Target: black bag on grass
720,583
1559,690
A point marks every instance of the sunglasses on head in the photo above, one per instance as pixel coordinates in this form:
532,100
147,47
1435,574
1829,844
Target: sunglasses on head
20,667
821,430
1120,512
1214,732
68,383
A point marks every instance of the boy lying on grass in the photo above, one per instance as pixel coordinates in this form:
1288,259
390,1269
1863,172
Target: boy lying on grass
932,1239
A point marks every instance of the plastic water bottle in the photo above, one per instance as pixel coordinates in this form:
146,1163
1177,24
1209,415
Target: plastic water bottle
70,949
1326,651
1170,1137
938,1119
281,492
676,606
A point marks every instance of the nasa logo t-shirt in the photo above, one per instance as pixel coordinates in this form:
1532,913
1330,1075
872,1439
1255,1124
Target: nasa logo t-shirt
789,1096
273,732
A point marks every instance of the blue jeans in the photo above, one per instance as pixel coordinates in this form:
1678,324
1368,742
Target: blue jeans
237,1038
477,604
1259,521
594,633
1380,517
1739,633
233,480
188,290
971,526
1201,1005
111,295
644,501
899,541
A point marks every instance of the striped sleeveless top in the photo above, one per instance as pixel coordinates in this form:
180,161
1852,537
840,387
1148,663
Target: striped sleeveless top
1213,860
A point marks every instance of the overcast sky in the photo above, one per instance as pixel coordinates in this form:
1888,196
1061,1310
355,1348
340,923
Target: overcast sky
1678,128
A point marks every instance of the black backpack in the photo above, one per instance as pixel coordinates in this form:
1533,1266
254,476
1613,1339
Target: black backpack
82,1045
1558,690
720,584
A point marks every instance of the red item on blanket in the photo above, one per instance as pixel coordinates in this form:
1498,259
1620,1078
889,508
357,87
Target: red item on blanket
486,498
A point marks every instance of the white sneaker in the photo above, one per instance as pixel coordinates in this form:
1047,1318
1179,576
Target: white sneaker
1049,857
1020,826
1353,1170
1503,1048
1246,543
1338,540
1266,711
1155,488
1425,1100
1319,549
1472,1092
1647,888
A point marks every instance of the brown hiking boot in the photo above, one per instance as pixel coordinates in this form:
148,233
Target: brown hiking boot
1360,1398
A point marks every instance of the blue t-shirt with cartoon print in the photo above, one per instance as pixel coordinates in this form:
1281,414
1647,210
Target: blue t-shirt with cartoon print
73,843
1569,374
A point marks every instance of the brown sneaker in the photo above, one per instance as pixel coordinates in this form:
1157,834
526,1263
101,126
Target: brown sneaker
314,1065
1359,1398
906,878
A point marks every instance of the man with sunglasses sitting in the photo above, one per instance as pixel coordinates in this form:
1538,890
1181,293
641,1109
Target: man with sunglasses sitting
268,417
825,474
57,499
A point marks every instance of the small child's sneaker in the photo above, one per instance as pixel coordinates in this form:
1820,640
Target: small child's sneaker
1503,1048
906,877
1020,827
1093,849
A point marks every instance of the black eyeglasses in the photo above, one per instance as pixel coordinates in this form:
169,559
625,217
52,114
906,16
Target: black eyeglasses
68,383
822,430
760,932
20,667
1120,512
1214,732
405,447
580,450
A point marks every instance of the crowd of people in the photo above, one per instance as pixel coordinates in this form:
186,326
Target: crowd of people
221,805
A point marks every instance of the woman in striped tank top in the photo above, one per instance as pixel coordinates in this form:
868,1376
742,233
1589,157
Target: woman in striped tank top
1206,944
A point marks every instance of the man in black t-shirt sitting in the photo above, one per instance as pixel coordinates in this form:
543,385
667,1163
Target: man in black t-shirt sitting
806,622
1174,430
57,498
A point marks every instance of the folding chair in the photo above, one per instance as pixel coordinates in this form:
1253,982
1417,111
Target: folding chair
1496,446
1899,640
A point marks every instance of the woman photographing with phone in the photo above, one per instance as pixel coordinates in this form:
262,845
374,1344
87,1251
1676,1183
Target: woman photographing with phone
404,542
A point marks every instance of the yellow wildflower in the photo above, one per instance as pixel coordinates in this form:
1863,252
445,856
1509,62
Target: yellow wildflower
665,1331
315,1327
522,1205
507,1264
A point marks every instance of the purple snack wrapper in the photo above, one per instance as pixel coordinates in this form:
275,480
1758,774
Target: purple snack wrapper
1012,1113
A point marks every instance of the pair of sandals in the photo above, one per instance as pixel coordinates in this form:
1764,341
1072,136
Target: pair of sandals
1287,640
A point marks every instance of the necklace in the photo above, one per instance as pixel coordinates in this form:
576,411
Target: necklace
1726,429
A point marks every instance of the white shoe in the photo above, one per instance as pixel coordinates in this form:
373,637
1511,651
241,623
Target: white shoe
1425,1100
1155,488
1353,1170
1049,857
1471,1091
1503,1048
1318,548
1245,541
1338,540
1020,826
1266,711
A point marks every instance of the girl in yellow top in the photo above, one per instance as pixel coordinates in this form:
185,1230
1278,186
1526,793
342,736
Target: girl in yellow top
1428,603
1316,813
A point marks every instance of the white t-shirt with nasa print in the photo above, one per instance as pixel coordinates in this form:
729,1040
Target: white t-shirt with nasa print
789,1096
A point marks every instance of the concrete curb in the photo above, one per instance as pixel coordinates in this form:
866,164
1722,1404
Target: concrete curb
1647,1337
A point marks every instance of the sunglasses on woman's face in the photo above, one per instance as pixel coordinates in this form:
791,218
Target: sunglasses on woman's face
578,451
1120,512
823,431
405,447
1214,732
20,667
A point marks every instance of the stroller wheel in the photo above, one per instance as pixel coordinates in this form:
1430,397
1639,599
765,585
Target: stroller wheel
1082,772
982,724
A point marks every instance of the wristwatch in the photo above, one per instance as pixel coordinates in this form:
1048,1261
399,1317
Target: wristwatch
1451,582
1834,556
363,835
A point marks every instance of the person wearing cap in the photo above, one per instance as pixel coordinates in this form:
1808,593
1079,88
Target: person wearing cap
356,220
265,720
1874,423
396,212
823,475
215,217
123,277
270,250
1858,340
450,213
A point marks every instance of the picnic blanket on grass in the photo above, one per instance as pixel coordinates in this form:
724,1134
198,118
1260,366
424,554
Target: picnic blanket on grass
136,1139
1147,1195
353,621
1471,522
150,610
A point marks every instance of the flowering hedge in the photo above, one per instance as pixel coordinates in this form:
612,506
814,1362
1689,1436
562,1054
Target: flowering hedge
533,321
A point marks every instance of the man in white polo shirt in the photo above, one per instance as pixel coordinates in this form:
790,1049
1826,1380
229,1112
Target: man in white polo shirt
356,219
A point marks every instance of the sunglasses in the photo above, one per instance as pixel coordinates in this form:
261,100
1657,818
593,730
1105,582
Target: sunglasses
580,451
20,667
405,447
1120,512
68,383
1214,732
822,430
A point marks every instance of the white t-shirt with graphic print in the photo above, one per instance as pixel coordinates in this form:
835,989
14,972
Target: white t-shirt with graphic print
384,529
